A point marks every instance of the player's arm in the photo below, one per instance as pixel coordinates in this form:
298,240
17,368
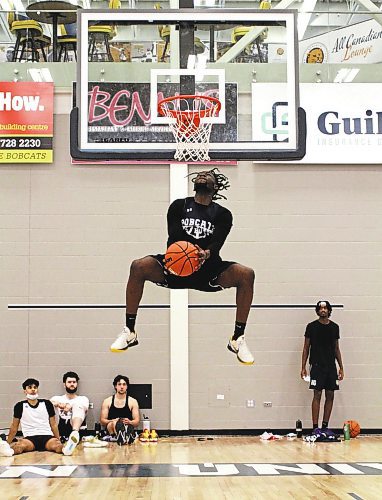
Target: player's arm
57,404
13,429
222,228
64,406
304,357
339,361
174,221
54,427
134,408
135,413
52,418
105,412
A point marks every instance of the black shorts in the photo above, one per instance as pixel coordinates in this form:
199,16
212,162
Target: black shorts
203,280
65,428
39,442
323,377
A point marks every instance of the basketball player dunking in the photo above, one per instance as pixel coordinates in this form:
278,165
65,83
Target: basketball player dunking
206,224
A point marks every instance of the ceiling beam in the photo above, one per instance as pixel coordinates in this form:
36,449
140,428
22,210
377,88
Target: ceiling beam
239,46
372,8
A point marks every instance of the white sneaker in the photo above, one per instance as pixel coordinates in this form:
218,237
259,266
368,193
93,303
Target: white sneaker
124,340
240,348
71,443
95,443
5,449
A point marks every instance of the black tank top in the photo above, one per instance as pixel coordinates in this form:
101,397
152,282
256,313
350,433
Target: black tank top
123,412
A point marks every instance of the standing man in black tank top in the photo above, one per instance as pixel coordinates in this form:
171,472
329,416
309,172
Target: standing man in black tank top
120,412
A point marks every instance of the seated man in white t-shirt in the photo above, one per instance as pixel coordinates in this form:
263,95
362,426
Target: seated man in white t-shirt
71,410
38,424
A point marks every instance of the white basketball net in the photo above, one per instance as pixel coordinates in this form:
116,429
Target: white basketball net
190,130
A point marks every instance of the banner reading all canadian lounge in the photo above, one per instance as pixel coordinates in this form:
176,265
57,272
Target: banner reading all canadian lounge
359,43
344,120
26,122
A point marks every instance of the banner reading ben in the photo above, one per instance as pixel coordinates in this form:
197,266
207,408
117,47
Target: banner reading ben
26,122
120,113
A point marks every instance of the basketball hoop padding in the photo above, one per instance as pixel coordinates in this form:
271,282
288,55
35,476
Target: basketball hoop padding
190,124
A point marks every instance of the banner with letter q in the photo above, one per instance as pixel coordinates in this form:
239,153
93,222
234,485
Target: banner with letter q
26,122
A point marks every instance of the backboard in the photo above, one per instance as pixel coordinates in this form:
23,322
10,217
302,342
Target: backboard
130,59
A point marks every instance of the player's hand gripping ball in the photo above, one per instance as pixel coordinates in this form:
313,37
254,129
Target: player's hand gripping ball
182,258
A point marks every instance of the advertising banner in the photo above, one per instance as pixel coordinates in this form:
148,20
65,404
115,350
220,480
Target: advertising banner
26,122
120,112
344,120
359,43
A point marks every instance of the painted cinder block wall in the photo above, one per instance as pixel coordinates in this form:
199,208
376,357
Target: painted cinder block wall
69,233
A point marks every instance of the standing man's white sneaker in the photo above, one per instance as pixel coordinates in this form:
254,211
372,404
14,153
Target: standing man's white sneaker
240,348
5,449
71,443
124,340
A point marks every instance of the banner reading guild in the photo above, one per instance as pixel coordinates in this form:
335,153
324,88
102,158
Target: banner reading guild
344,120
26,122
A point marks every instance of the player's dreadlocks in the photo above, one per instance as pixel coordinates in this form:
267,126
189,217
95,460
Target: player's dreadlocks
221,181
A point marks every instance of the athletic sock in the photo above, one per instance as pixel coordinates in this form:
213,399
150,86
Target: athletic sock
130,321
315,426
325,425
239,330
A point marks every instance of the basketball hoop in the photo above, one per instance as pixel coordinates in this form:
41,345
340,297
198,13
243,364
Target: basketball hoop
190,122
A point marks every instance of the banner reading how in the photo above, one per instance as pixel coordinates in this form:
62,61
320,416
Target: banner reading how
26,122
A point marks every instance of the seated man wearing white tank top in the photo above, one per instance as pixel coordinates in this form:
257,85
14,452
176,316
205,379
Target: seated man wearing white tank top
71,412
120,412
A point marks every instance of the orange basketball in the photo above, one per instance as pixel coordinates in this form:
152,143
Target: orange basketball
354,427
181,258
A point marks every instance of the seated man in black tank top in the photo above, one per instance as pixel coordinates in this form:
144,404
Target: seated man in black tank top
120,412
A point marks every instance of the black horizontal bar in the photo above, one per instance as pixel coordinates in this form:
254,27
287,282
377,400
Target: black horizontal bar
161,306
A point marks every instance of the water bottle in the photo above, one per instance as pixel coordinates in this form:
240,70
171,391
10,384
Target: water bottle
299,428
97,428
346,431
146,423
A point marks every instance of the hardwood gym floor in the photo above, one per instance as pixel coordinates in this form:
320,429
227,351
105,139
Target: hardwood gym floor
194,468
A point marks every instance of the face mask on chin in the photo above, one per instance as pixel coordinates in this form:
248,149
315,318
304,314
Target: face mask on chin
32,397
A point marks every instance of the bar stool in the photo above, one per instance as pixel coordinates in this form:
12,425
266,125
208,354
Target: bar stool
67,41
29,35
101,34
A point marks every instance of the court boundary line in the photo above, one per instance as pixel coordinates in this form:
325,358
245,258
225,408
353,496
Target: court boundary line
163,306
